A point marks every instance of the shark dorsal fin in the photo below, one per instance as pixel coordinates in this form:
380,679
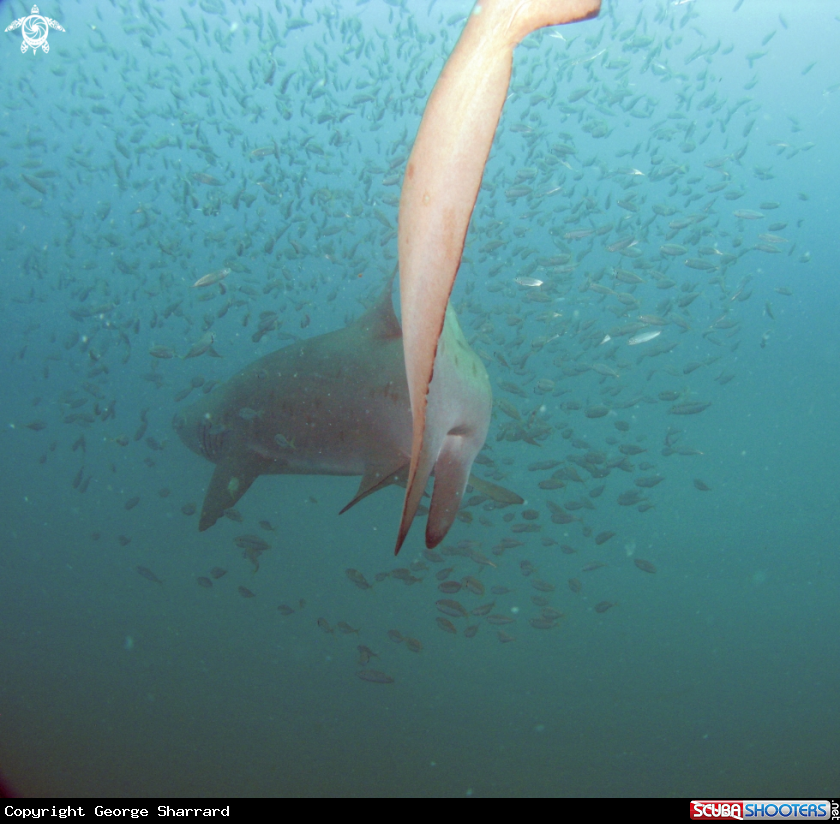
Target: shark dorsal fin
380,321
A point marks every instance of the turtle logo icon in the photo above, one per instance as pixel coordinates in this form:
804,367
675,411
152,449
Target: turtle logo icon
35,28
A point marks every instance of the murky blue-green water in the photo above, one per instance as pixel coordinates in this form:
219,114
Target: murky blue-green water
667,167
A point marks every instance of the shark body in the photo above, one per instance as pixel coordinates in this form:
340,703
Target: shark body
336,404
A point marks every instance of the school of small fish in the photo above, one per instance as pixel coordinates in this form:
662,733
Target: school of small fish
607,283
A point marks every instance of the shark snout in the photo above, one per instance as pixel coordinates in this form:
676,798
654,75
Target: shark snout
188,432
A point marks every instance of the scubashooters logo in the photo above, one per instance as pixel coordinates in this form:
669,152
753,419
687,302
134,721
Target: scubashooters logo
35,28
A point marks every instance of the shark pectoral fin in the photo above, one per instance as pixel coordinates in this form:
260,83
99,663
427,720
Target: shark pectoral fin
494,491
375,478
232,479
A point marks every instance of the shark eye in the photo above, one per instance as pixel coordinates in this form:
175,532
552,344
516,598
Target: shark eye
262,374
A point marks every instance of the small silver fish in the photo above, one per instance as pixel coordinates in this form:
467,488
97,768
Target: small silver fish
526,281
211,278
644,337
248,414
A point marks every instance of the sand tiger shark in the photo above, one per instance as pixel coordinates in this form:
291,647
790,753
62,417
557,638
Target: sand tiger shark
336,404
439,191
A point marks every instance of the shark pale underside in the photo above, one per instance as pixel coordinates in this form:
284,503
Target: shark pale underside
335,404
439,191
